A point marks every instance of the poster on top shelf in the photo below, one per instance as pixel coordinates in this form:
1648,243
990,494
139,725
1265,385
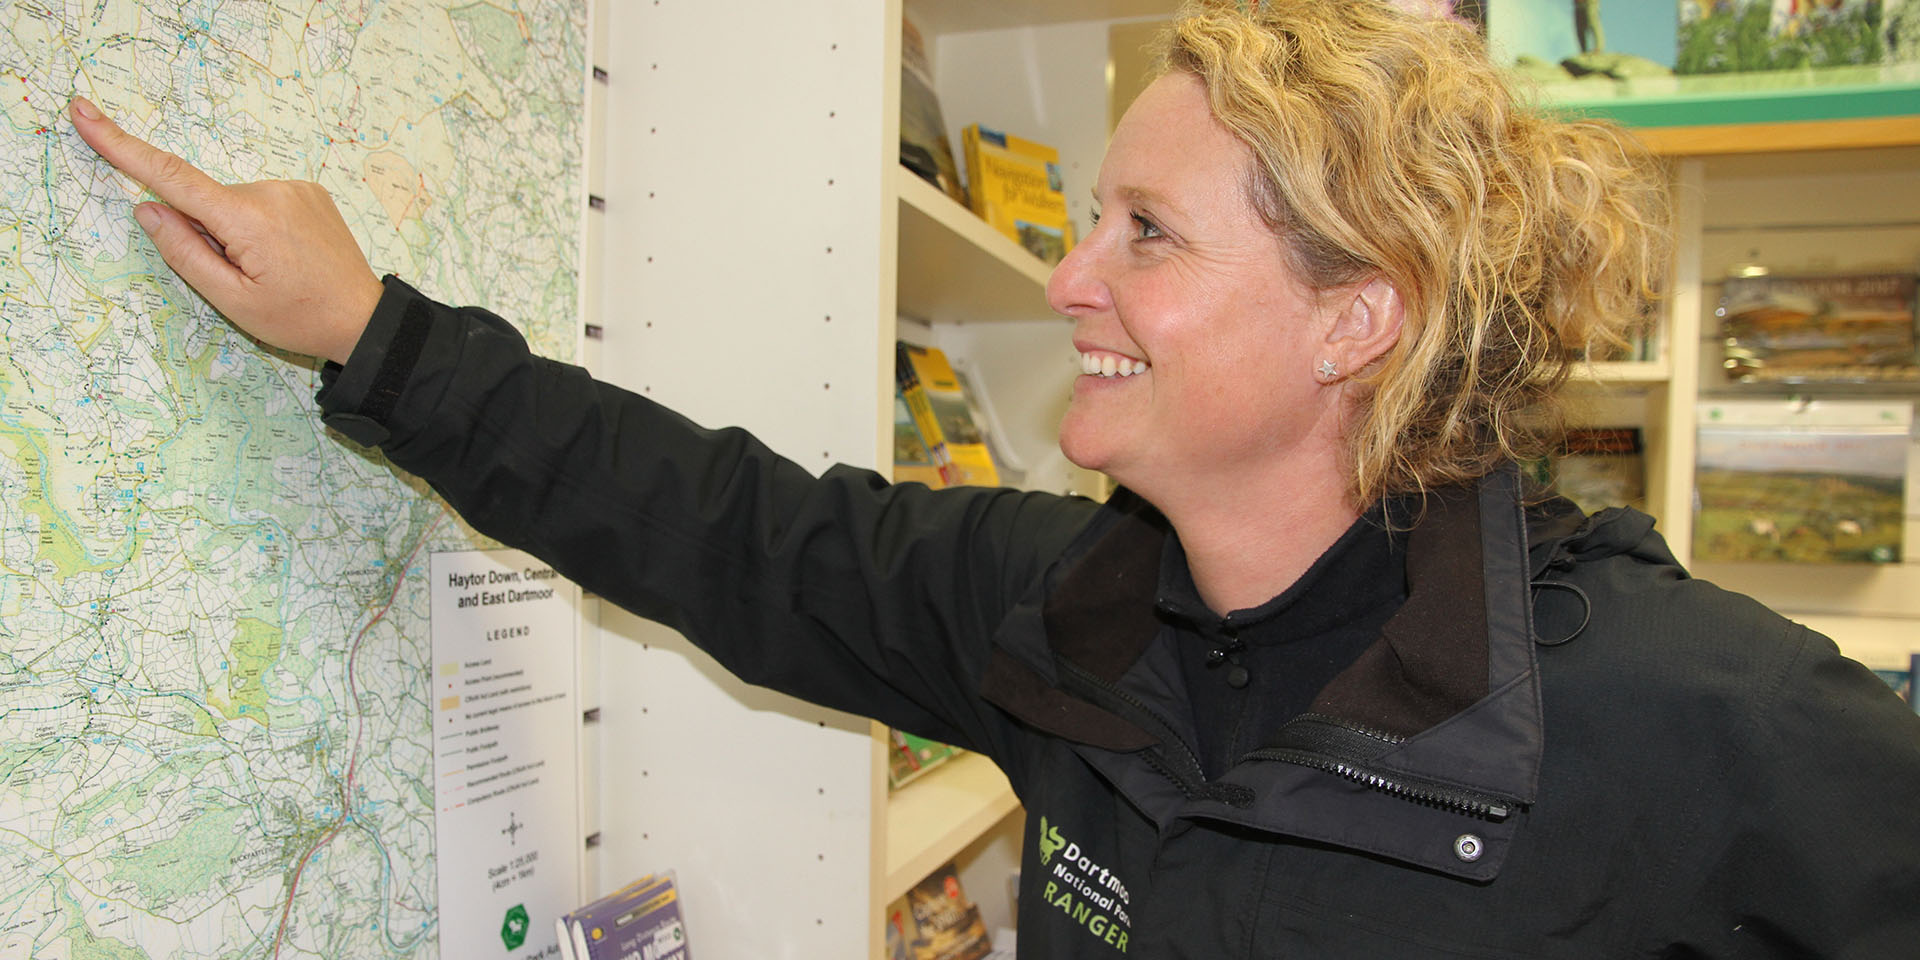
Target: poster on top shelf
1801,481
1819,329
1651,63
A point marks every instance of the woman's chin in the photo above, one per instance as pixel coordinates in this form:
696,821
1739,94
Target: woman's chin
1082,444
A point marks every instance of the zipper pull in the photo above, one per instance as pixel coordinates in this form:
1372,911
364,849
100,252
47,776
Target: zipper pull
1229,653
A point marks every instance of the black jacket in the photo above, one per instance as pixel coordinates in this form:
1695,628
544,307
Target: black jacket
1687,775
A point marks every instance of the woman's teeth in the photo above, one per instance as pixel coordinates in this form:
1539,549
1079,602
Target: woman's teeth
1108,365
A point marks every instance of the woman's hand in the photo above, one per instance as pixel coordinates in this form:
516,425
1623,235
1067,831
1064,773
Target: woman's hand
275,257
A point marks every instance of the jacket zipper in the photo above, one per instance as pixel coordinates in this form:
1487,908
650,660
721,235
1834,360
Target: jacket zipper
1356,769
1412,789
1163,728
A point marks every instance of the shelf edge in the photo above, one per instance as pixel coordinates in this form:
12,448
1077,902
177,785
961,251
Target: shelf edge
932,819
930,202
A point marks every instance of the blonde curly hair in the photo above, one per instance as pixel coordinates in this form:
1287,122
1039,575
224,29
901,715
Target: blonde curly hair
1386,143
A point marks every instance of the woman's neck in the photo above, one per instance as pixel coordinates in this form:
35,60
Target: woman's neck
1247,547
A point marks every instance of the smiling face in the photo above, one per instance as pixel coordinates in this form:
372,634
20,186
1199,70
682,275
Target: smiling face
1198,341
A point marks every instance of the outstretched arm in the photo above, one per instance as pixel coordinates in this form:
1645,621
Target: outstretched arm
274,257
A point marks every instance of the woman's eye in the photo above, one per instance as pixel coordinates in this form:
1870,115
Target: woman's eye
1143,229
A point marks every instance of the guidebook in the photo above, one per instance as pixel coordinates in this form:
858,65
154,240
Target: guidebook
1600,467
938,404
936,921
1014,185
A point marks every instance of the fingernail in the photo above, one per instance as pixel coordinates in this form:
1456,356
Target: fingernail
149,220
87,109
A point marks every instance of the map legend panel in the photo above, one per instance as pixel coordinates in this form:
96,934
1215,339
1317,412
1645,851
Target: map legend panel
505,751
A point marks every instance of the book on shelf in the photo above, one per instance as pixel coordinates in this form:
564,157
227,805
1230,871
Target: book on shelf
1819,329
899,935
1902,681
924,146
936,921
1598,467
913,396
939,406
910,755
1007,462
912,461
1014,185
640,921
936,441
1913,671
1801,481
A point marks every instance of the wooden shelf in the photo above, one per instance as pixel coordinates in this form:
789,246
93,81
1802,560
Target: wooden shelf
1630,372
932,819
955,268
1882,643
1845,134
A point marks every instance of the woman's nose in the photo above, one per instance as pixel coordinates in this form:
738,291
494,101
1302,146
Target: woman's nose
1075,286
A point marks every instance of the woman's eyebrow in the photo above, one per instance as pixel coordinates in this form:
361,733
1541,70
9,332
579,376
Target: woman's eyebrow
1142,196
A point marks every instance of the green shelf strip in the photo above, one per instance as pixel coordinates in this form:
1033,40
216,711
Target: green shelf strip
1848,93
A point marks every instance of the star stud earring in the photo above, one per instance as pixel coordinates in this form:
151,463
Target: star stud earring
1327,370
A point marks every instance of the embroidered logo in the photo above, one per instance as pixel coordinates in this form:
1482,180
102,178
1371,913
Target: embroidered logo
1090,894
1050,840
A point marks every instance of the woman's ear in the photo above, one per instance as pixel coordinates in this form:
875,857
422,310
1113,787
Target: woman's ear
1365,325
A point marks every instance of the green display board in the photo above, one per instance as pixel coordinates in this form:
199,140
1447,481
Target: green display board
1684,63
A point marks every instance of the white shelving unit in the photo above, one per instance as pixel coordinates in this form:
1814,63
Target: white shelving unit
1802,198
1811,211
757,249
742,275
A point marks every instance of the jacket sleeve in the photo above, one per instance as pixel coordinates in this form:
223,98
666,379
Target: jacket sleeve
1818,852
842,589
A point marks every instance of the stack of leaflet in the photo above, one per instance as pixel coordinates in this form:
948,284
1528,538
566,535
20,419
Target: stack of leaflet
640,921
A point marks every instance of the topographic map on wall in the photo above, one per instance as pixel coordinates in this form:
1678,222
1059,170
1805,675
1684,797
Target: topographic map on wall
214,649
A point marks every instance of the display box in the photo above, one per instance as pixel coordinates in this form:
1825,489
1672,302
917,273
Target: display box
1801,481
1828,329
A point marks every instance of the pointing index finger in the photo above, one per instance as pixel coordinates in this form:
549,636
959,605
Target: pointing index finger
182,185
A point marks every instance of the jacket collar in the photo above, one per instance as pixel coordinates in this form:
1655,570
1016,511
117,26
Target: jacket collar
1446,698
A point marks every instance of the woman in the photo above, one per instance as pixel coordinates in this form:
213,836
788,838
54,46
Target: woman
1320,680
